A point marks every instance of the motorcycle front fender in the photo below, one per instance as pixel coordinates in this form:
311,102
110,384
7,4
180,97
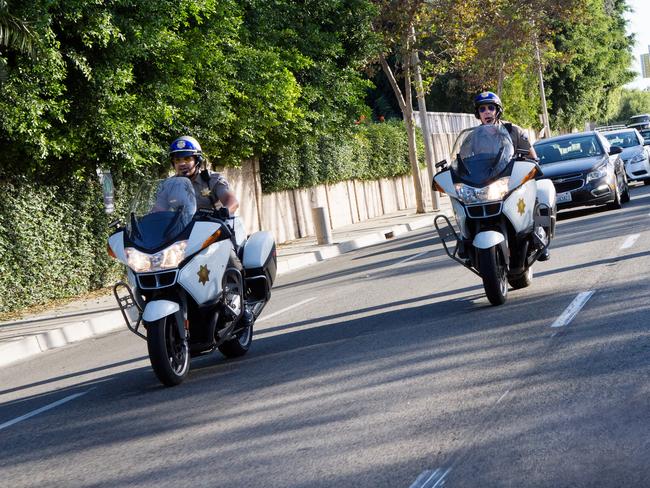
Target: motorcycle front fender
158,309
488,239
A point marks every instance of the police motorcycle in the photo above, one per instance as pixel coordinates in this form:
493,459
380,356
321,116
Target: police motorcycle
192,275
505,212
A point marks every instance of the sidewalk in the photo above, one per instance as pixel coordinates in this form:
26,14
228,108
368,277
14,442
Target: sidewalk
83,319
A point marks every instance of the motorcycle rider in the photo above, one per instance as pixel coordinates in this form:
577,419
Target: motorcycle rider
489,109
211,189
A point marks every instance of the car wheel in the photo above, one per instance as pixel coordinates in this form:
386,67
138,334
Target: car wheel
646,182
616,204
625,196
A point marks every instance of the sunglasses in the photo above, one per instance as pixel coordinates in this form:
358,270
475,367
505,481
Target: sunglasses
490,108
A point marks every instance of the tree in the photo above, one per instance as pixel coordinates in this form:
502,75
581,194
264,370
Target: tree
443,31
594,58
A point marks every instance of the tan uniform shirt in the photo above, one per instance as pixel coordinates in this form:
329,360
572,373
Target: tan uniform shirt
209,193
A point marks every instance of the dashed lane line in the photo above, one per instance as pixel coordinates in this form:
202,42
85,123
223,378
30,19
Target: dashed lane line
290,307
572,310
38,411
629,242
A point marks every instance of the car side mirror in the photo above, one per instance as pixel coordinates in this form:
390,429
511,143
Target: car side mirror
442,165
615,150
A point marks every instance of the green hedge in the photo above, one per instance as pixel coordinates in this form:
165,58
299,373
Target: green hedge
52,242
369,152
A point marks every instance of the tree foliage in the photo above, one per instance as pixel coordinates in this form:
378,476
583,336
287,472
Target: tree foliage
113,81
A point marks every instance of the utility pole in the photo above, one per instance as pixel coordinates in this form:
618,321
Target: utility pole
542,93
424,121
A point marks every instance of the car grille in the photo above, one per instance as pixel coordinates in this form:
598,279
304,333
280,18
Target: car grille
486,210
639,173
568,182
157,280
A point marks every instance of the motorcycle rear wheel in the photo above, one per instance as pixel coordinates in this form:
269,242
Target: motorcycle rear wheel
523,280
494,274
168,353
233,290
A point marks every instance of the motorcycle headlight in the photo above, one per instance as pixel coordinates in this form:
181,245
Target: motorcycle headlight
494,191
598,173
170,257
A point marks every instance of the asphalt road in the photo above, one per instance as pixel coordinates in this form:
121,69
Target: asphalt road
385,367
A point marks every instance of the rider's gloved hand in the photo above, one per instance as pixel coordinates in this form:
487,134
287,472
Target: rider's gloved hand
223,213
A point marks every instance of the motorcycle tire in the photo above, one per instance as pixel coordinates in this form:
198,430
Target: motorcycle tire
238,346
522,280
168,353
494,275
241,343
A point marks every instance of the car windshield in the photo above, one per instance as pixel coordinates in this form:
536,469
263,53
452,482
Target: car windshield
623,139
161,210
565,149
482,153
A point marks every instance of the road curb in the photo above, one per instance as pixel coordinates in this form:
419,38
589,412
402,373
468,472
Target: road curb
32,345
294,263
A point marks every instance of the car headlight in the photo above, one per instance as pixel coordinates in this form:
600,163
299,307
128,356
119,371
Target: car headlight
637,158
494,191
170,257
598,173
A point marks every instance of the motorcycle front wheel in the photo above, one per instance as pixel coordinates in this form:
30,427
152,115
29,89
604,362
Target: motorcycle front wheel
168,352
494,274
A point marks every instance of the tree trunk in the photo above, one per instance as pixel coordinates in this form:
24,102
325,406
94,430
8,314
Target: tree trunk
407,114
424,122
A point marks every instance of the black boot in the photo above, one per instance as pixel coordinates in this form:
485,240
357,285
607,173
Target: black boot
545,255
247,319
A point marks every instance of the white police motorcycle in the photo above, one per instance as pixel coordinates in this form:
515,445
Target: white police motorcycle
506,217
192,276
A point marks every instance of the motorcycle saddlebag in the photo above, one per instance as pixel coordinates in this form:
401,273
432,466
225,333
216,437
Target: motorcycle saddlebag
260,264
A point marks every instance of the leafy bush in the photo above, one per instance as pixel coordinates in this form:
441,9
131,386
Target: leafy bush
53,241
368,152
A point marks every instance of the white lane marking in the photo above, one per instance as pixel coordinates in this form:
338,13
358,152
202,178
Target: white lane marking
629,242
266,317
42,409
412,257
502,396
427,477
572,310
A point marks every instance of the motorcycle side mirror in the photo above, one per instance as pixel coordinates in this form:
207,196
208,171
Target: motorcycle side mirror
442,165
117,223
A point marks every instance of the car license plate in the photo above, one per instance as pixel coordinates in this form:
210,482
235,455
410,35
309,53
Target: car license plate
563,197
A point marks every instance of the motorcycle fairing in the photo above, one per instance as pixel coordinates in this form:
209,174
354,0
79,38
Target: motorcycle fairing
520,205
116,243
520,171
444,179
200,276
201,231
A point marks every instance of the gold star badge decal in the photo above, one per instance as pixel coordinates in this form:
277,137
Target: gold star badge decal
521,206
205,192
204,274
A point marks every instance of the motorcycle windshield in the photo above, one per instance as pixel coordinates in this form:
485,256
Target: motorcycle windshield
481,154
161,211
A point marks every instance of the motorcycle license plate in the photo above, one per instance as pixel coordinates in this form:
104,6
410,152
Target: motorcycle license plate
563,197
